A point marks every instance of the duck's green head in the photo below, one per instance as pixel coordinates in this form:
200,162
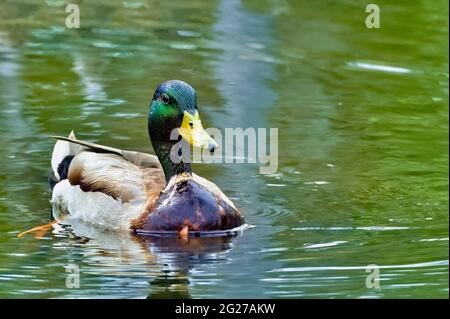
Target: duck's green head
174,106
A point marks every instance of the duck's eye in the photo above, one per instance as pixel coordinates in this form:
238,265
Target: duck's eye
165,98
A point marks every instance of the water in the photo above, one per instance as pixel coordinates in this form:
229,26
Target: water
363,138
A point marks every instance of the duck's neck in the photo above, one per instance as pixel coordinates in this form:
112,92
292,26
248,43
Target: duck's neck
162,150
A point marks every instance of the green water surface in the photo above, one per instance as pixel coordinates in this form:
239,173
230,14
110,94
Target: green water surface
362,116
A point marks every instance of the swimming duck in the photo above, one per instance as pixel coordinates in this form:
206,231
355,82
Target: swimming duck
132,191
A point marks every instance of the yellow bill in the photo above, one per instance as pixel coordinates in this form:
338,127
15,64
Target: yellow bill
192,131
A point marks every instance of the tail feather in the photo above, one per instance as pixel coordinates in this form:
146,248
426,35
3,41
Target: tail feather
63,153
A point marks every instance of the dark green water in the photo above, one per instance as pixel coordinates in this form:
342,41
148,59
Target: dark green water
363,142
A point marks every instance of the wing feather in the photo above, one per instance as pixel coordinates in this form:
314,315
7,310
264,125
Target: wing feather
115,176
137,158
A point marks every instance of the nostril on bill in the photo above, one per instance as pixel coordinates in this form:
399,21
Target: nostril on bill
212,146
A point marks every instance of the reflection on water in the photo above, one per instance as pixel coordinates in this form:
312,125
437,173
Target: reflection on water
363,138
162,264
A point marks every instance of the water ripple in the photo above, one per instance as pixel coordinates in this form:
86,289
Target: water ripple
370,228
324,245
325,268
379,67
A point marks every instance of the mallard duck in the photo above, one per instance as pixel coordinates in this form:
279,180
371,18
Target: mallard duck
132,191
